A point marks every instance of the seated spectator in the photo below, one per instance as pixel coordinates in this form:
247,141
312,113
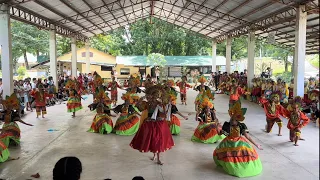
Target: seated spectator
67,168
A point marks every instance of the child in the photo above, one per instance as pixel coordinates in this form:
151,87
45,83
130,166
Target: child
40,97
183,89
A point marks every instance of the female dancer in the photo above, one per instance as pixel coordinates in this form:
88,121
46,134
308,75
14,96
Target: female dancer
183,89
235,154
74,101
40,97
208,129
154,134
4,152
204,91
102,122
128,122
174,123
10,133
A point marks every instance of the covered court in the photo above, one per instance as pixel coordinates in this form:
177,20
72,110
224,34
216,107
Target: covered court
294,23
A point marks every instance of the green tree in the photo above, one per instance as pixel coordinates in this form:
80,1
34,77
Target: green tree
157,60
22,71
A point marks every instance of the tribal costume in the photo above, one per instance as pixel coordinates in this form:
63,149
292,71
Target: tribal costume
154,134
102,122
235,153
174,123
10,133
114,90
128,122
204,92
74,100
40,99
183,89
235,93
4,152
297,120
273,111
208,129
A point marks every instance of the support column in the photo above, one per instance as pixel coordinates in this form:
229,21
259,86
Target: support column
6,47
214,56
300,51
250,63
87,57
74,57
228,55
53,55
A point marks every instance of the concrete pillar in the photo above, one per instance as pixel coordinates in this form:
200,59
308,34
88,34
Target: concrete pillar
228,55
6,50
74,58
53,55
300,51
214,56
87,57
250,65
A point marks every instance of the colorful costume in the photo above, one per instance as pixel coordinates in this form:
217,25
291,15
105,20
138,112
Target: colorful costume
235,153
128,122
183,90
74,100
208,129
4,152
102,122
40,100
114,90
273,111
154,134
235,94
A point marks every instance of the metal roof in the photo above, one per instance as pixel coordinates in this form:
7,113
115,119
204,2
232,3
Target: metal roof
213,18
172,60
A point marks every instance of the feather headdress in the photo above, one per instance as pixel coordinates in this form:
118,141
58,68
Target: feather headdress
11,102
236,112
134,80
202,79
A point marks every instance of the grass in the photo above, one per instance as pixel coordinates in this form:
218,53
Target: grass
314,60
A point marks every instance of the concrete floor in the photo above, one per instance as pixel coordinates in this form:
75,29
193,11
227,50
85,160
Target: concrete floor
109,156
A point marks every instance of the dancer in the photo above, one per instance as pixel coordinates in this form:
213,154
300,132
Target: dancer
204,91
113,85
102,122
40,97
297,120
235,153
10,133
128,122
4,152
134,83
74,101
174,123
235,93
154,134
183,89
273,111
209,127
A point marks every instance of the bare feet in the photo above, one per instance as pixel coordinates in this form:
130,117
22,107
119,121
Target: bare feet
296,144
159,162
302,139
279,134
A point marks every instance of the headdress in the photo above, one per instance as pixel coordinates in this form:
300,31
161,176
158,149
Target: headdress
314,95
11,102
202,79
170,83
97,79
206,102
297,101
100,96
275,95
134,79
172,96
158,92
126,96
70,84
236,112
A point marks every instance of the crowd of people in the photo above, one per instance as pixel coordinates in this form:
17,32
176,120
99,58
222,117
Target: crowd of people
152,118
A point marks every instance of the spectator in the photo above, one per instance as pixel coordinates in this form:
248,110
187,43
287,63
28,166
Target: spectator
27,89
67,168
138,178
1,88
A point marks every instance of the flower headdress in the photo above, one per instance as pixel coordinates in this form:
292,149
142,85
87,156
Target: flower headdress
126,96
97,79
70,84
206,102
236,112
170,83
202,79
11,102
134,79
297,101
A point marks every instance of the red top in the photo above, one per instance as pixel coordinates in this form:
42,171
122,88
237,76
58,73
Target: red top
272,114
298,121
114,86
40,99
183,87
235,93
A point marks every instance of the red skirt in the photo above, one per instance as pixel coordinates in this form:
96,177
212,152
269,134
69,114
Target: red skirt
153,136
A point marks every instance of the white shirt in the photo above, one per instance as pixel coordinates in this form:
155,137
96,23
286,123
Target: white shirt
33,85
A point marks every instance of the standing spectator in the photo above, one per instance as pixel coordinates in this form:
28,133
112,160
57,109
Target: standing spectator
216,80
27,89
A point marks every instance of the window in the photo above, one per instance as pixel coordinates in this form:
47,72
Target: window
124,71
106,68
83,54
